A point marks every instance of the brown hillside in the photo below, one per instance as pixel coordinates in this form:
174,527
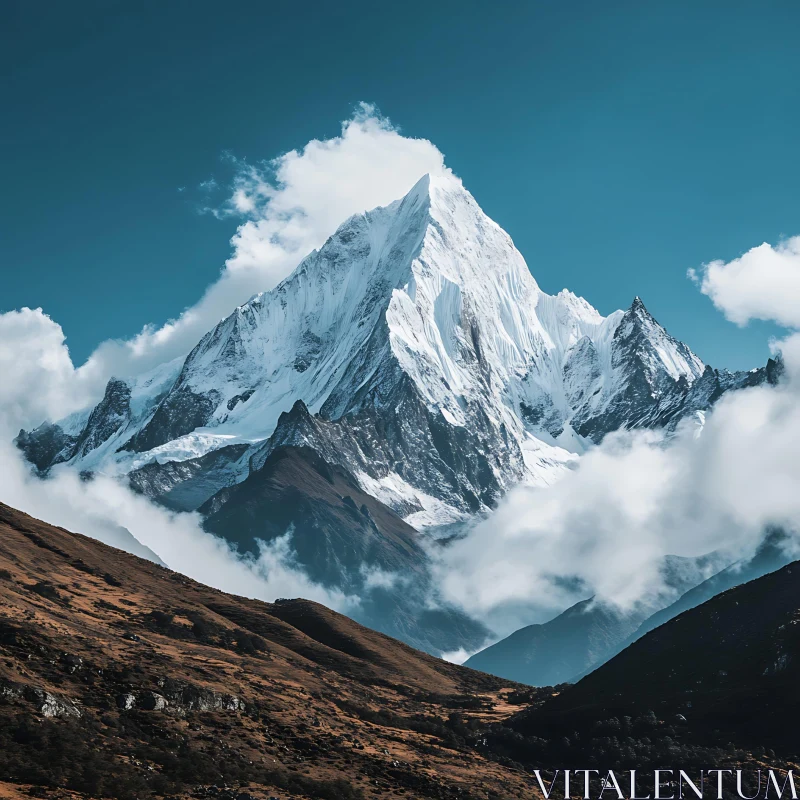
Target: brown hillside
121,678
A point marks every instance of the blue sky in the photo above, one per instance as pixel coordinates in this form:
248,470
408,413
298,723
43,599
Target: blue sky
618,143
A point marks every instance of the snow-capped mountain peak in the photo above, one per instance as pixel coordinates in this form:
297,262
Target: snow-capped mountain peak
430,363
668,352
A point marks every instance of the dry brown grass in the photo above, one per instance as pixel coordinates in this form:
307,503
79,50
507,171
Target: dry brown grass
305,691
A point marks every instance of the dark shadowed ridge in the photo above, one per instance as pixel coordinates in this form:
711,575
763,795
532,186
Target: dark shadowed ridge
727,668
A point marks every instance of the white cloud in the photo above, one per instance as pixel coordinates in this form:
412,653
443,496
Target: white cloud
377,578
291,205
604,528
764,283
297,200
461,655
39,380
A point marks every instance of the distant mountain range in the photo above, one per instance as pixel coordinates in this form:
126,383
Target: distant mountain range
405,376
588,634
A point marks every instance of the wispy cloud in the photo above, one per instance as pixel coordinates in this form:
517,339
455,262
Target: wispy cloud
208,186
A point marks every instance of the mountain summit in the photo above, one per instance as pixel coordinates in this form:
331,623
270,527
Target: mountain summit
430,362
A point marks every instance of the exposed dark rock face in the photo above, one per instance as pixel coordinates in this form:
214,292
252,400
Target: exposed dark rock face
336,527
239,398
48,705
712,384
185,408
45,446
179,413
49,444
647,395
186,485
109,416
343,538
179,696
388,429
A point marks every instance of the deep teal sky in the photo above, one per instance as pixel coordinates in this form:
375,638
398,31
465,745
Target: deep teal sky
619,143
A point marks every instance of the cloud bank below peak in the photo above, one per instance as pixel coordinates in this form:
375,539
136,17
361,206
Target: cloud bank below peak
719,484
